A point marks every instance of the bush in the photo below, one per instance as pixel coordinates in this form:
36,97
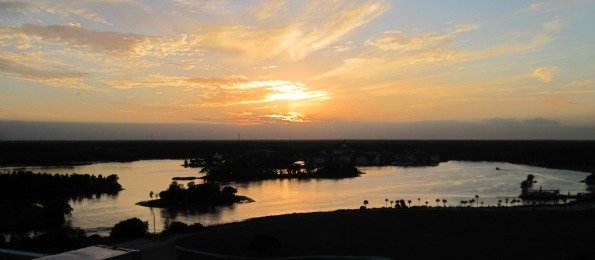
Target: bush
176,227
130,228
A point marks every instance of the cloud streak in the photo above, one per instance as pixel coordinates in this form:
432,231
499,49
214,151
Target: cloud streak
296,40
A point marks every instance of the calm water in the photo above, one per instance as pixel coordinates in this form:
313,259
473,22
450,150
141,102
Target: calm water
453,181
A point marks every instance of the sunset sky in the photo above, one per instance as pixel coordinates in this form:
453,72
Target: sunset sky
369,66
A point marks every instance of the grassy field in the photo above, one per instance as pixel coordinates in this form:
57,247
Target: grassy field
451,233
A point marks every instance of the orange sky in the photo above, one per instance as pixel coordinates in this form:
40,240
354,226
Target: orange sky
297,62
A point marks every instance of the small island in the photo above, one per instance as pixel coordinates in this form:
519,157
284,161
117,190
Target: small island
196,195
243,170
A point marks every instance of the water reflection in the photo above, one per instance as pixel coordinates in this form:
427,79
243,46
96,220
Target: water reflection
453,181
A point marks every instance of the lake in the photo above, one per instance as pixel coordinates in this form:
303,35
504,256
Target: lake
453,181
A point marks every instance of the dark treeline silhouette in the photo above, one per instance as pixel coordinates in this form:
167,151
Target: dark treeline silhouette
579,155
64,238
33,200
195,195
245,170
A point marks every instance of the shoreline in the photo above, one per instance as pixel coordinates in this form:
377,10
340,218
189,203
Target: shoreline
49,166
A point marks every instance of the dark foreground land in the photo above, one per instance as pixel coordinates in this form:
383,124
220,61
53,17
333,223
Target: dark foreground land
576,155
462,233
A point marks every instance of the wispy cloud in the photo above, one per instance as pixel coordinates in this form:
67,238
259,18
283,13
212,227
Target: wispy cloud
14,6
544,74
66,12
294,117
295,40
394,50
74,36
268,9
17,67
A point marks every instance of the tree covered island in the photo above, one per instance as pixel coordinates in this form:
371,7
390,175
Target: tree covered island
243,170
263,164
177,196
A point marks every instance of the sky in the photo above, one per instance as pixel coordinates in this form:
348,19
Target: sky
180,69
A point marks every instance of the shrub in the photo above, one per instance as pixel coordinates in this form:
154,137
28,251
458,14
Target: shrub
130,228
177,227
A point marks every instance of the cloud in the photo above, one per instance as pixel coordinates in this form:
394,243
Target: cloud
74,36
294,117
158,80
541,121
466,27
257,92
558,101
394,51
14,6
268,9
346,46
66,12
544,74
16,67
396,41
296,40
580,84
517,122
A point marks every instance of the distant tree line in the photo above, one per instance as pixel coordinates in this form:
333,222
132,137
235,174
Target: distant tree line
577,155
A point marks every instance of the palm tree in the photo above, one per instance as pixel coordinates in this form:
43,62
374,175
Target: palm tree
366,203
471,202
385,202
499,203
419,201
391,203
506,202
444,202
409,202
427,203
463,202
477,199
482,204
437,202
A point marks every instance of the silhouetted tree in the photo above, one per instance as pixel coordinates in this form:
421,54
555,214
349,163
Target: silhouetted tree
444,202
528,183
366,203
409,202
437,202
477,199
130,228
386,202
